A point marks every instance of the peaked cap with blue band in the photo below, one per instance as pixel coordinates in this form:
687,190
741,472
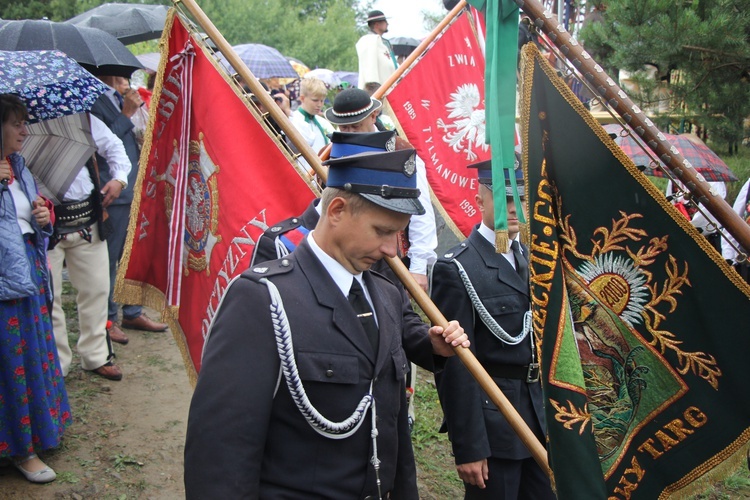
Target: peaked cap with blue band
387,179
352,143
484,176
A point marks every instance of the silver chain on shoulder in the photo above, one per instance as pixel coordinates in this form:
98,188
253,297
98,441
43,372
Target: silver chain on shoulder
284,346
487,318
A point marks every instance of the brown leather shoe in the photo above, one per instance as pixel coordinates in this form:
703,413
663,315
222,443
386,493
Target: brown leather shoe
109,371
117,335
144,323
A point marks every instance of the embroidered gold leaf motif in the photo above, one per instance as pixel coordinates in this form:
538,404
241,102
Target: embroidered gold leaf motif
571,416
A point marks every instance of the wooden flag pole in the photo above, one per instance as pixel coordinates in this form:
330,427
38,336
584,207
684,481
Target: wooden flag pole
433,313
254,84
416,53
537,449
637,119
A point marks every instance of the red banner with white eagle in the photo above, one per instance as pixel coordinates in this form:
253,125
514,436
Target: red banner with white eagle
211,178
439,106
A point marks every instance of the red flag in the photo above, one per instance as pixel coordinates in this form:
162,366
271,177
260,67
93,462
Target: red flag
439,104
210,178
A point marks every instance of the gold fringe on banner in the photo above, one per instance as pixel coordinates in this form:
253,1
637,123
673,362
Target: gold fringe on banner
704,476
127,291
502,241
525,233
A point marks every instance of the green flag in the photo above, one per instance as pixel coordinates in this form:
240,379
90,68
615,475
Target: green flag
501,49
644,328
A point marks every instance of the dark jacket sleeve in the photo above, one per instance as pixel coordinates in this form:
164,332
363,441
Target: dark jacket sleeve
460,395
231,406
415,339
404,484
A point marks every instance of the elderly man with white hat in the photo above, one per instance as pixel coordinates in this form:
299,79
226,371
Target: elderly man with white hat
376,58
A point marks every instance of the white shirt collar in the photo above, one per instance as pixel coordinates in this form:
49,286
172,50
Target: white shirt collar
339,273
489,235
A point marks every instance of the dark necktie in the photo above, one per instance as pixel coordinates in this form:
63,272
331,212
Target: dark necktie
522,266
119,99
363,311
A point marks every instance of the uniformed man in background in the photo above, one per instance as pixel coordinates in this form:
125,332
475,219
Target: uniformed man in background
488,292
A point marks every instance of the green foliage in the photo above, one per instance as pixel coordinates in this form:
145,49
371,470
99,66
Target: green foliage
702,47
740,165
436,472
320,33
121,461
54,10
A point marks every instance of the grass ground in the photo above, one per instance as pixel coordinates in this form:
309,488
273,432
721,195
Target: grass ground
437,475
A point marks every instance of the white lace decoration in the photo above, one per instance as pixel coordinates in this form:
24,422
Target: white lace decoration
487,318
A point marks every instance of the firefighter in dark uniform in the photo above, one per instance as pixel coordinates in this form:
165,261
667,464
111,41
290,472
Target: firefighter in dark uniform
280,239
301,390
490,458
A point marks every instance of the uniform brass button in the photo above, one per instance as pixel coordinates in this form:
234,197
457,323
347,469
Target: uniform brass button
329,373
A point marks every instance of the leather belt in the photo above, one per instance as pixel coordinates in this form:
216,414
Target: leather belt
74,216
529,373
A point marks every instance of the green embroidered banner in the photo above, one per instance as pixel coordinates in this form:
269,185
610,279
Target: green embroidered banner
644,329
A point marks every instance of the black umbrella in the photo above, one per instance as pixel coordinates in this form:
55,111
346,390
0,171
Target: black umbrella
403,45
95,50
129,23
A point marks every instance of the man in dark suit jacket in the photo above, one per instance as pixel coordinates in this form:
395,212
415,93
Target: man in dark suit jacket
115,110
490,458
326,418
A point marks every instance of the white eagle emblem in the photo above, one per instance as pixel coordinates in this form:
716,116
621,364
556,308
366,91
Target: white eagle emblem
466,133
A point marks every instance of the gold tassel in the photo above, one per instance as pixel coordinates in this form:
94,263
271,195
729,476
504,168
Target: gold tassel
525,234
502,242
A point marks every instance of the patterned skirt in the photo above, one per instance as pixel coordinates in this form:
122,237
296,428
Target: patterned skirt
34,410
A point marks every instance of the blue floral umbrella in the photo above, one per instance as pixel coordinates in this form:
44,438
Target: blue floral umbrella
50,83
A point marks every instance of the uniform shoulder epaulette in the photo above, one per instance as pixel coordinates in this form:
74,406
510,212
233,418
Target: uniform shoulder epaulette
268,269
455,251
284,226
